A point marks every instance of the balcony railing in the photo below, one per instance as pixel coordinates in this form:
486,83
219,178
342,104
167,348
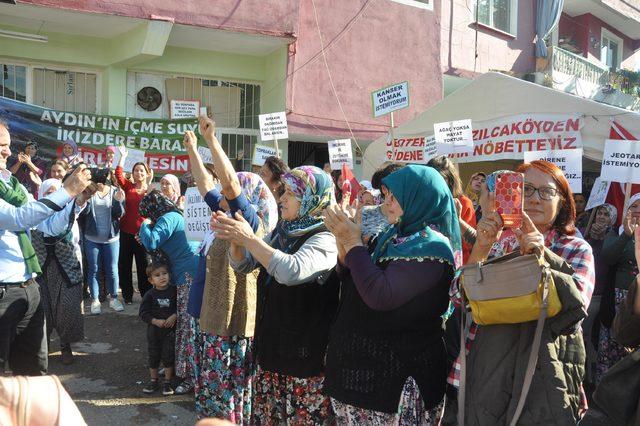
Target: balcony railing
569,63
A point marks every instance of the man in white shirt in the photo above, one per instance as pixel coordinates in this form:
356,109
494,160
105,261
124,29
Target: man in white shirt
23,342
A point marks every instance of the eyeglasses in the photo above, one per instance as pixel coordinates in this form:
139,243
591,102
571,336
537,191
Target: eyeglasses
545,192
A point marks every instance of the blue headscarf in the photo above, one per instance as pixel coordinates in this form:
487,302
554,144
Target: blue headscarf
428,227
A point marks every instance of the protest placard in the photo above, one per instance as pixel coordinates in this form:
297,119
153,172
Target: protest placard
598,194
205,154
273,126
389,99
261,153
621,161
568,160
133,156
456,133
197,215
183,108
340,153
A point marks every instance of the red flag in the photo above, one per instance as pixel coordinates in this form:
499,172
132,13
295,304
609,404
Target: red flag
616,190
349,183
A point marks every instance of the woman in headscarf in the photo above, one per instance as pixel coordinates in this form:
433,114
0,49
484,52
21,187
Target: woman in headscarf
163,231
618,253
297,299
70,153
605,219
223,300
58,250
498,354
389,329
472,191
170,188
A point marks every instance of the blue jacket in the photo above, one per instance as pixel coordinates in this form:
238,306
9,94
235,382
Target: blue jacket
89,216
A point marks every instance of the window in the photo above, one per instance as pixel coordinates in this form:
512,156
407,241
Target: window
611,49
13,82
421,4
499,14
65,90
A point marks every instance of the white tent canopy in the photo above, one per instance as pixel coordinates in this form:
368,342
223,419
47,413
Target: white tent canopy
495,95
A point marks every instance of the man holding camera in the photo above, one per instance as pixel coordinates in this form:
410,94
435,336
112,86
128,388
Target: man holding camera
23,342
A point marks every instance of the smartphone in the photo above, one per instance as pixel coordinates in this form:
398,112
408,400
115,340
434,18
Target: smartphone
509,187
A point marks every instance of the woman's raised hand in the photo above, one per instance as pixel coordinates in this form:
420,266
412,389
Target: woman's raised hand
629,223
531,240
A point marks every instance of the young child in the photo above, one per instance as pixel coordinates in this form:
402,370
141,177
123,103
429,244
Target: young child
158,309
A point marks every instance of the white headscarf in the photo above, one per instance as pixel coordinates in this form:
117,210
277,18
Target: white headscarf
632,200
47,184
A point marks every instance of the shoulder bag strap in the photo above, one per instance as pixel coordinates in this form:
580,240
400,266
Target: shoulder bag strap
535,348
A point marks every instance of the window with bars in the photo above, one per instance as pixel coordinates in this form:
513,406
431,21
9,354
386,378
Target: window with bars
234,143
13,82
234,105
65,90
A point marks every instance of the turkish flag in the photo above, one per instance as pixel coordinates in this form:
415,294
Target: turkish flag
616,190
349,183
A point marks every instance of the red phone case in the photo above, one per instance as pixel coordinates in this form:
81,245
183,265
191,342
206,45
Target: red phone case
509,199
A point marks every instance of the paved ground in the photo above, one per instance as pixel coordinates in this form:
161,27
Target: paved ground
109,372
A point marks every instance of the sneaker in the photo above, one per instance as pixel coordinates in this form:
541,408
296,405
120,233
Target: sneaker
116,305
152,386
167,389
96,307
184,388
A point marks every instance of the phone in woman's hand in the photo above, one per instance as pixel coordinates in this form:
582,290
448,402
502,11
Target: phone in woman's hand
509,187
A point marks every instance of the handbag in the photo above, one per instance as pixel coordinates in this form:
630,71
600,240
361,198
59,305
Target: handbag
619,390
510,289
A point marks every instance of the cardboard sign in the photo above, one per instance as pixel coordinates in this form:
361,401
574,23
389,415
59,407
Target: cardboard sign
205,154
261,153
340,153
273,126
197,215
183,108
621,161
389,99
134,156
568,160
598,194
456,133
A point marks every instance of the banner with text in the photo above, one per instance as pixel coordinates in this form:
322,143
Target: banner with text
621,161
567,160
161,140
340,153
506,138
197,215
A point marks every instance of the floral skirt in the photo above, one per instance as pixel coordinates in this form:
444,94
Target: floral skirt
280,399
411,411
610,351
225,375
184,368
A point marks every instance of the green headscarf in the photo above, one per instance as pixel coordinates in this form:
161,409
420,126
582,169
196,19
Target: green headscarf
17,197
428,227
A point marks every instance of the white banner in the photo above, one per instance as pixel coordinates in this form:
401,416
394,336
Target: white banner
340,153
457,133
273,126
598,194
261,153
197,215
621,161
507,138
567,160
133,156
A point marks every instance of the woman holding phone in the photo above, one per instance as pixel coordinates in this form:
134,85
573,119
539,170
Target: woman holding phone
498,354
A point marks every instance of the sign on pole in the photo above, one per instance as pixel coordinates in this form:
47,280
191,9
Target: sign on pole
567,160
389,99
273,126
197,215
340,153
133,156
598,194
183,108
621,161
261,153
456,133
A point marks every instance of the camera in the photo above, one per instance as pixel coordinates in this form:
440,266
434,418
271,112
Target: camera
99,175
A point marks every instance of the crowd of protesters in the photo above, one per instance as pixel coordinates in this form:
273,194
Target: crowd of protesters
314,298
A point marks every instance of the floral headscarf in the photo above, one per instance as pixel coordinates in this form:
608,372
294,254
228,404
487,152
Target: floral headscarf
261,198
175,184
315,191
154,205
613,213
